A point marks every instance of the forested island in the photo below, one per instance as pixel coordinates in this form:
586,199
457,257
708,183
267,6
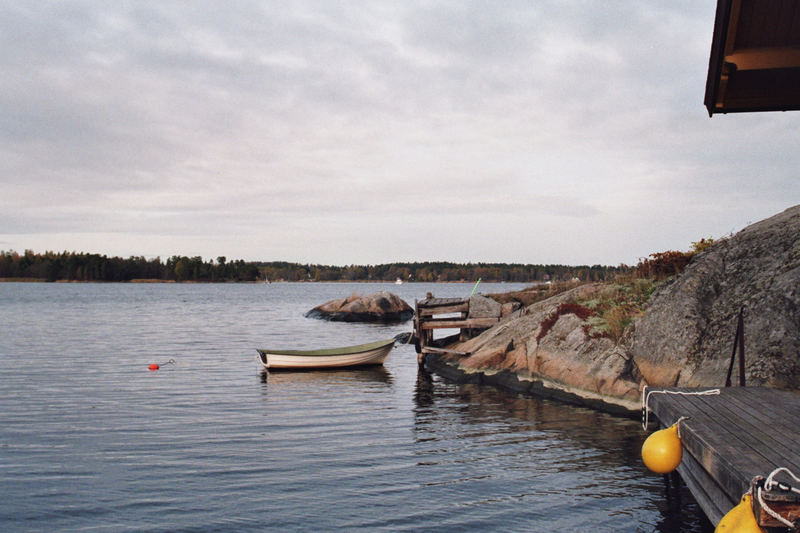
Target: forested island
77,266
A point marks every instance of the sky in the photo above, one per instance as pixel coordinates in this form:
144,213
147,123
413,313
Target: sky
343,132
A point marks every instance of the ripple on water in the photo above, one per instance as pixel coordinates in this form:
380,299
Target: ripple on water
92,440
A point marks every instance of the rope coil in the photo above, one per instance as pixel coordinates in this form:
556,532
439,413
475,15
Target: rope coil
769,485
646,400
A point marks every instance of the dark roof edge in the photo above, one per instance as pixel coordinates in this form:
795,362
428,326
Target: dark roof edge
717,55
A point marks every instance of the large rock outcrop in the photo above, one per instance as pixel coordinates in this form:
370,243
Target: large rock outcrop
548,350
378,307
683,339
686,337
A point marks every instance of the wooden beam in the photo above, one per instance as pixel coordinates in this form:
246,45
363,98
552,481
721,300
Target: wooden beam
431,349
443,310
455,323
706,491
437,302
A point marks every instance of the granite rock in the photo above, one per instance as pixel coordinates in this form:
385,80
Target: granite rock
565,359
382,307
684,338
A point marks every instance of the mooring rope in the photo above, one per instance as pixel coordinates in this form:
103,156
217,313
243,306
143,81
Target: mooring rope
646,400
769,485
156,366
678,424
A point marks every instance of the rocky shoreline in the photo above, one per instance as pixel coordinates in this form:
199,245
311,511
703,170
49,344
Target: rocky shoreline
682,339
528,386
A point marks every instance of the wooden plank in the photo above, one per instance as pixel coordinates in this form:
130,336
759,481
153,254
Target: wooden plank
417,331
766,429
724,440
770,451
442,302
769,402
755,409
706,491
732,478
431,349
454,323
777,419
776,400
444,309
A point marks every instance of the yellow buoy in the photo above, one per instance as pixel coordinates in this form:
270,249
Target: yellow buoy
662,451
740,519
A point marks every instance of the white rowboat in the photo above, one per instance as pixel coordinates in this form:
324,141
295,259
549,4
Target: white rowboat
374,353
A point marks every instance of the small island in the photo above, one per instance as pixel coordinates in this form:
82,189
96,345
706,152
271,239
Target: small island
383,307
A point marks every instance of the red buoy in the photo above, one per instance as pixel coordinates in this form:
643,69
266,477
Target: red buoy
155,366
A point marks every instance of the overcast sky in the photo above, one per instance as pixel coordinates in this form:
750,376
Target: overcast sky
372,132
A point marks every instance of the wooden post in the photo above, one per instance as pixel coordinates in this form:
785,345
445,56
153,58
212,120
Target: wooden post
740,328
738,343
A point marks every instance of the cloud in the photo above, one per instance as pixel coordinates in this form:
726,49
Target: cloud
262,125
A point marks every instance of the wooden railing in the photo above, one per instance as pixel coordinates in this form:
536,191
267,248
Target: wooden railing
445,313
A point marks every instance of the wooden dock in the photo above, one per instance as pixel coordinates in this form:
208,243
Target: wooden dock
730,439
446,313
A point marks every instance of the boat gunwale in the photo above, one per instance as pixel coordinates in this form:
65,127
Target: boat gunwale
327,352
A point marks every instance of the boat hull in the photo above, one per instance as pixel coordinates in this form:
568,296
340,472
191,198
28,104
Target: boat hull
361,355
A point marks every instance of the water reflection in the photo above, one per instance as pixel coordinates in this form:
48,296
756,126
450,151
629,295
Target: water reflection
478,405
551,454
372,374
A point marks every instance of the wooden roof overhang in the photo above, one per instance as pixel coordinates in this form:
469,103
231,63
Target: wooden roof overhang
755,57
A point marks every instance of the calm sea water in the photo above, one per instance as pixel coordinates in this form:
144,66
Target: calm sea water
90,440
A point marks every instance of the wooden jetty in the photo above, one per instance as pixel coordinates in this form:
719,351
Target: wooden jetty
446,313
732,438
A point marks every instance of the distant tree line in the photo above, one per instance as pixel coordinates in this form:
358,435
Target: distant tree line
438,272
73,266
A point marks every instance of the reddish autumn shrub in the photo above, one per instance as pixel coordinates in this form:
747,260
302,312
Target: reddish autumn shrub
565,308
663,264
